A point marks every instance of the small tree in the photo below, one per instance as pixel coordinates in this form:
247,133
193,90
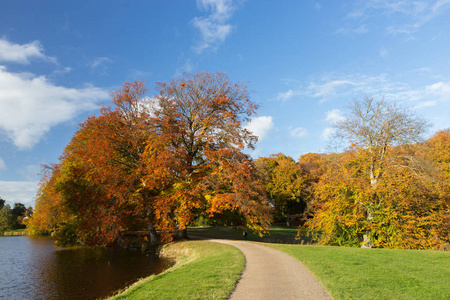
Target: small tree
18,212
6,218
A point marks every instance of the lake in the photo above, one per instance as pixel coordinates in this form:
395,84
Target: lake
33,268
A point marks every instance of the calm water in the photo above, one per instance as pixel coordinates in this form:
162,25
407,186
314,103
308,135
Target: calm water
33,268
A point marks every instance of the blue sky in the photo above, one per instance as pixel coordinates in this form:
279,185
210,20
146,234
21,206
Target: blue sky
303,60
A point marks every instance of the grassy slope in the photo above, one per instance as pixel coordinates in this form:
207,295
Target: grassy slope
204,271
353,273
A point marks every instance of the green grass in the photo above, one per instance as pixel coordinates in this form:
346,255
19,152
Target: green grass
204,270
354,273
277,233
13,232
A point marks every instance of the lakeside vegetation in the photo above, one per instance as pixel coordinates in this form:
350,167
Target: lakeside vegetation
203,271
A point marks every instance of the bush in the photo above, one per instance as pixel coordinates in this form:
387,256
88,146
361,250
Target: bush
445,247
67,235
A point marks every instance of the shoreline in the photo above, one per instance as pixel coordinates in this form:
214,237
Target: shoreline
13,233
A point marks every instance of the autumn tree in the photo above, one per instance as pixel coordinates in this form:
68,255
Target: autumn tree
376,126
410,215
158,162
200,119
50,210
384,189
287,184
439,150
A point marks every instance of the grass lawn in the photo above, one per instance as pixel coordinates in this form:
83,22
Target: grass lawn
354,273
204,270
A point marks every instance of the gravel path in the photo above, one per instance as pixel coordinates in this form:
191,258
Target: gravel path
272,274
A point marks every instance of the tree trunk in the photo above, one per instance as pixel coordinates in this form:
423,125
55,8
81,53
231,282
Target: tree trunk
368,236
181,234
153,235
287,219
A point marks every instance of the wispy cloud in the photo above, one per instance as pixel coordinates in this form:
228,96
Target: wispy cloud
284,96
329,88
183,65
347,86
414,14
30,172
2,165
299,132
260,126
21,54
31,105
100,65
352,31
317,6
214,28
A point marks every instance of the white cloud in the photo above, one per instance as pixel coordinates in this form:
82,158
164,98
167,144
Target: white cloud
440,89
260,126
286,95
31,105
19,191
327,133
334,115
299,132
22,54
2,165
213,28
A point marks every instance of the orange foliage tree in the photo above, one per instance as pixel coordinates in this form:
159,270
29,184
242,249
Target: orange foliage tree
199,121
159,162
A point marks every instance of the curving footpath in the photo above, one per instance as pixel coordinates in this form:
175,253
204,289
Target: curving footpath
272,274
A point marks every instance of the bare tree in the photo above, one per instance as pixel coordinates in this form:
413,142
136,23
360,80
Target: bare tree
378,125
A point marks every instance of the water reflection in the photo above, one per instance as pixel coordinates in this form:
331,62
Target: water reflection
34,269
